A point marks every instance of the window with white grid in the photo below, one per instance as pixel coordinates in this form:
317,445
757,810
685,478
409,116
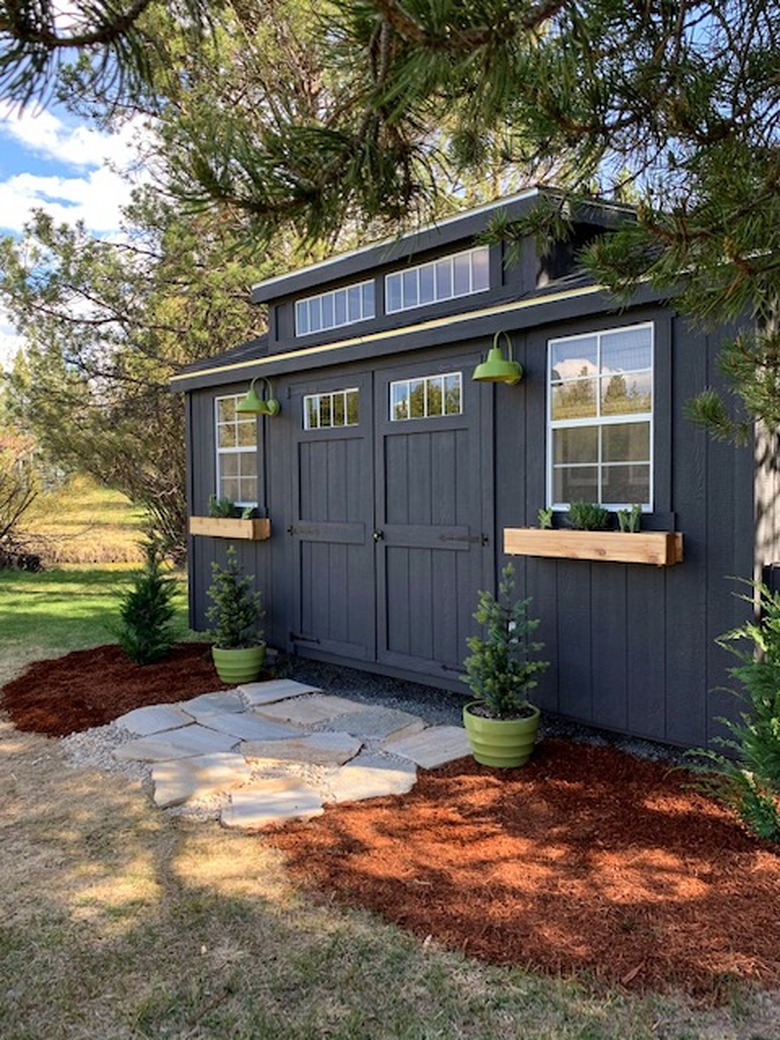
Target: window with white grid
330,410
333,309
459,274
426,397
236,437
600,418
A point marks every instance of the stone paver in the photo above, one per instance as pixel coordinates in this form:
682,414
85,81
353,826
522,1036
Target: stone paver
156,718
273,690
176,743
376,723
268,801
310,710
218,703
318,749
177,781
431,747
249,726
212,744
370,776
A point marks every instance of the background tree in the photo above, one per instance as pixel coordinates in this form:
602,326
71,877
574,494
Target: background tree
106,324
675,106
117,44
19,484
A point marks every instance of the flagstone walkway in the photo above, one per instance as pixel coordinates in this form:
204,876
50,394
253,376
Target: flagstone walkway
281,749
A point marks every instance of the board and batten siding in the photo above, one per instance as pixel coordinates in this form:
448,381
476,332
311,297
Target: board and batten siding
254,556
632,647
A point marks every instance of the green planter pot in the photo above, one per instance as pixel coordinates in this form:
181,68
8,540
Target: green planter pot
239,666
504,743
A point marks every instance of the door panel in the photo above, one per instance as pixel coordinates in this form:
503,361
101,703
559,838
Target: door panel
432,512
331,527
389,526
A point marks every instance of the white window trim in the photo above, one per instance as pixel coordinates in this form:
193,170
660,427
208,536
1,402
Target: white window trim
424,379
471,291
308,300
220,452
331,394
600,421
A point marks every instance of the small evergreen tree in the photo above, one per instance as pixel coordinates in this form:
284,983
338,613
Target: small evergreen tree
146,612
237,612
747,777
500,669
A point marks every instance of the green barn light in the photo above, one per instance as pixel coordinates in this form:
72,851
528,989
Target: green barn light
255,405
498,369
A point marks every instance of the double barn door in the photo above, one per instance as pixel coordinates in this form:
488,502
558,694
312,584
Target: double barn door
392,504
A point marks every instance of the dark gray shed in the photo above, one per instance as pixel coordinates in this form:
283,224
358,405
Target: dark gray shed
391,483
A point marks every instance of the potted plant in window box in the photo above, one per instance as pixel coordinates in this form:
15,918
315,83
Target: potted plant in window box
500,722
227,520
236,616
588,539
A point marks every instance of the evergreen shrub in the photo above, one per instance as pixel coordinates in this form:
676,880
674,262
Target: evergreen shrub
146,611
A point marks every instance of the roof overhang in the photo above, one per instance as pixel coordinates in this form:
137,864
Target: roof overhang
439,235
512,315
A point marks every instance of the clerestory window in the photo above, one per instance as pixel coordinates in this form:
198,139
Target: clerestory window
460,274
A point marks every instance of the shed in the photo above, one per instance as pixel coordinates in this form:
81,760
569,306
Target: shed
392,486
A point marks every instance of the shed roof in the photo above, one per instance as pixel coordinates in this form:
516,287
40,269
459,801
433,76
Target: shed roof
250,350
439,234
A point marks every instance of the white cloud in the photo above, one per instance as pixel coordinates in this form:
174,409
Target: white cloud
95,199
75,176
73,180
44,134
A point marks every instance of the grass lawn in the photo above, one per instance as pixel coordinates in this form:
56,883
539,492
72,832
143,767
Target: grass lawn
119,921
65,608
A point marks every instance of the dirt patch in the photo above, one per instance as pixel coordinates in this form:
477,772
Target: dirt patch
586,859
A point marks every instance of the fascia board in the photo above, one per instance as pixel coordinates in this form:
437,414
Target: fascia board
529,312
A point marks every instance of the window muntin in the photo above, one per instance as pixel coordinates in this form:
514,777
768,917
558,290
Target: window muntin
333,309
458,275
331,410
426,397
236,443
600,416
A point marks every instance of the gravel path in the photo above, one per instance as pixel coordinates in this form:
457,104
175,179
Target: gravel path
94,747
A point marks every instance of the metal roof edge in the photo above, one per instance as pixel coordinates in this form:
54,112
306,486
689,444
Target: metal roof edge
407,236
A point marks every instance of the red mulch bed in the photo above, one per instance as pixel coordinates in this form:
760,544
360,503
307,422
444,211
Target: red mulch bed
586,859
89,688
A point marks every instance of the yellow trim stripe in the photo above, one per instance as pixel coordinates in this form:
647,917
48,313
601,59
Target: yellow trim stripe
405,330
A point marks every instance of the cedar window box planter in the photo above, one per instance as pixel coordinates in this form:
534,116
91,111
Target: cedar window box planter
231,527
661,548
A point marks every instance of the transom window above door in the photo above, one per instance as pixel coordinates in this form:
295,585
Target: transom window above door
330,410
600,418
236,437
426,397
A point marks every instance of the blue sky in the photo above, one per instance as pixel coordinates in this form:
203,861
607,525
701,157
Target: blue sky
53,161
